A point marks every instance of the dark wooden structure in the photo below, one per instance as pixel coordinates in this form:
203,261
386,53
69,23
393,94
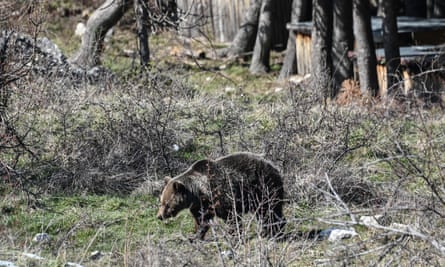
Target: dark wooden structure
420,41
413,60
413,31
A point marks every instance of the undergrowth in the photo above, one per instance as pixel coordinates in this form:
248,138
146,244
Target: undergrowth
84,162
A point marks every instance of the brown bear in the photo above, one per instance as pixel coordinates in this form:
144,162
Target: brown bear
227,187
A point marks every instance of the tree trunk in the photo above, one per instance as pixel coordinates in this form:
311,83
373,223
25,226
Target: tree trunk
390,43
141,13
429,8
321,64
435,8
415,8
342,42
366,58
105,17
261,53
439,8
245,37
301,11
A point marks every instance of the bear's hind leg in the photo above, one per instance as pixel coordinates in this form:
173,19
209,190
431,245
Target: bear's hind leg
272,220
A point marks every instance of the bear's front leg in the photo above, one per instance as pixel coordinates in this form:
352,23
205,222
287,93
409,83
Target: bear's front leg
202,223
202,229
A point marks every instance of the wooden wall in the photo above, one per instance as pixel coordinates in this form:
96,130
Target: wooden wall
217,19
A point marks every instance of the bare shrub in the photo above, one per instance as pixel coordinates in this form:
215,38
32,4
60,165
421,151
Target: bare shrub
113,140
352,190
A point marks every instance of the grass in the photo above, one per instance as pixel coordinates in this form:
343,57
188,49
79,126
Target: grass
208,109
109,224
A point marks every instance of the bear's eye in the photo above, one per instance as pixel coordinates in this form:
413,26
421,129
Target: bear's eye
168,203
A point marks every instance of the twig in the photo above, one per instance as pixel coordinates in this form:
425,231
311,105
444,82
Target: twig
319,261
339,199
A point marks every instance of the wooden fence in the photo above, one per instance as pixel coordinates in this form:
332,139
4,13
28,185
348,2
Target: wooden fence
220,20
217,19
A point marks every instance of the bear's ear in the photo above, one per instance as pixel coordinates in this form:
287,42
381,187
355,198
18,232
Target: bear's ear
167,179
178,186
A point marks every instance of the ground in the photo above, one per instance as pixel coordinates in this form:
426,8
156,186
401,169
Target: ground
94,155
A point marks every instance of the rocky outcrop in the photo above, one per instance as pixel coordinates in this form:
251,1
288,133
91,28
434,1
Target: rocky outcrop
40,56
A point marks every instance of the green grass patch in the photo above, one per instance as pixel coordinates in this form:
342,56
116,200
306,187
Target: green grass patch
90,222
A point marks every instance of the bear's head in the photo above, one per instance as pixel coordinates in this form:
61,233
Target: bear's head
173,199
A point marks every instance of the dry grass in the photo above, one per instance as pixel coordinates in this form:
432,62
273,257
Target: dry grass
70,139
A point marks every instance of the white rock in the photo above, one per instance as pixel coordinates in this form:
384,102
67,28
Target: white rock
95,255
227,254
297,79
41,238
229,89
33,256
7,264
80,29
278,89
108,35
339,234
371,220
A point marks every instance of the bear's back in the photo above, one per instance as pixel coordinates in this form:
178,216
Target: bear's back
250,166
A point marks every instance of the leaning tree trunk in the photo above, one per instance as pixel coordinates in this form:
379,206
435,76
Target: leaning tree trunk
342,42
245,37
366,58
105,17
321,64
141,12
261,53
390,43
301,11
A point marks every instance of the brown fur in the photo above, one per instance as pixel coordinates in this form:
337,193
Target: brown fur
227,187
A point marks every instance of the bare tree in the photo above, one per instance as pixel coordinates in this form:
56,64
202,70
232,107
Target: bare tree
141,13
390,42
415,8
343,41
102,19
263,29
321,64
149,14
245,37
366,57
261,53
